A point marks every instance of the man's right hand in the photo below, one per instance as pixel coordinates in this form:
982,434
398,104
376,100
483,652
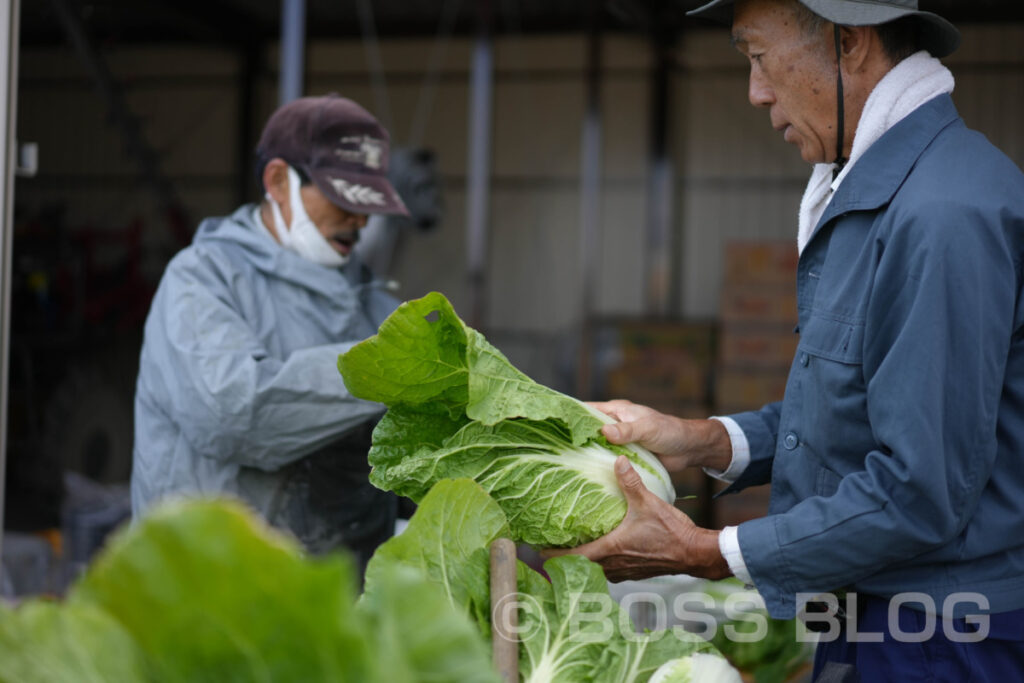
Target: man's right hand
678,443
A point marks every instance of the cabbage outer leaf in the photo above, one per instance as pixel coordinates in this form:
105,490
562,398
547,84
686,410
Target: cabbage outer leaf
211,593
700,667
44,641
447,540
458,408
579,633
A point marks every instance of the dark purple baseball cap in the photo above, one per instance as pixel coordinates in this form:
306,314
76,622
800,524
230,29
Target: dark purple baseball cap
340,146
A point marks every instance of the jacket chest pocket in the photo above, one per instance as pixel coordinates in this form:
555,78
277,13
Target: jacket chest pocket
839,341
829,381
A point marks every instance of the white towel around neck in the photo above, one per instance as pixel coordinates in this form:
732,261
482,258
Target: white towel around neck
914,81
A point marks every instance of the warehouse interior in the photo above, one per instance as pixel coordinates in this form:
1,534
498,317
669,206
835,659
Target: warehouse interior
594,193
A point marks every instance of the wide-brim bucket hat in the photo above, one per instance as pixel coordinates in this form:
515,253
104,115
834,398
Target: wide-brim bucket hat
938,36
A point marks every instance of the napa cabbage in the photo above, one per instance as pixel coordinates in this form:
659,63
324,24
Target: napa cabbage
458,408
204,591
569,627
699,667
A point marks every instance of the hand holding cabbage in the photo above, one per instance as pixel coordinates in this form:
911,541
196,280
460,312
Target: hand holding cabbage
458,408
654,539
678,443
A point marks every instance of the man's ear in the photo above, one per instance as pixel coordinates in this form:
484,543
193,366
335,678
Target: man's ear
275,180
857,43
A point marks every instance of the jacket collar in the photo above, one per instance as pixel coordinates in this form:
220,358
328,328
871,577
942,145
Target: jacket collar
266,255
876,177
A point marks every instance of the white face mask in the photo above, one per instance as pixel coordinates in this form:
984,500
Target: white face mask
302,236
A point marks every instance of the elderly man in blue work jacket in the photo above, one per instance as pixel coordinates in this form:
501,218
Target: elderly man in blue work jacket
896,457
238,391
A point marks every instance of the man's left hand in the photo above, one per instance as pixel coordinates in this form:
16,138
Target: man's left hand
654,539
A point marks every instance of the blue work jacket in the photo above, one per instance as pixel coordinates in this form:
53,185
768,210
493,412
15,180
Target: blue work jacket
897,455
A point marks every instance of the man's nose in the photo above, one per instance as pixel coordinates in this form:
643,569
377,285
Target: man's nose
759,93
357,220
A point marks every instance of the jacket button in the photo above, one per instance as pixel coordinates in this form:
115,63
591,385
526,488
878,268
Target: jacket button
791,441
804,359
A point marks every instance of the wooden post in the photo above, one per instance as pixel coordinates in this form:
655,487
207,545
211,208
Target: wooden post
504,614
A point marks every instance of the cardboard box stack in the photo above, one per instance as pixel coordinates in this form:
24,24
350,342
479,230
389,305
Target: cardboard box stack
667,365
756,344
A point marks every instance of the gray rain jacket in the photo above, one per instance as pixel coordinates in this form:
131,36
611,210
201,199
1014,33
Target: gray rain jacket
239,391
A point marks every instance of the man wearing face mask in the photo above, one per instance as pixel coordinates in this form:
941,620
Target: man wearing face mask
238,390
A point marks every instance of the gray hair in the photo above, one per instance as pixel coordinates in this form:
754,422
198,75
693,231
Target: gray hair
810,23
900,38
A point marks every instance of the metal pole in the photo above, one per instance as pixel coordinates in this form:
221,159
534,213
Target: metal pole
590,202
478,167
293,50
662,289
8,116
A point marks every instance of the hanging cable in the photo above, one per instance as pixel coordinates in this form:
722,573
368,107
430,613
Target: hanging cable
371,46
425,100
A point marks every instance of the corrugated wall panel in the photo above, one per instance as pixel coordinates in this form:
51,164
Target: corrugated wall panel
539,92
739,180
735,177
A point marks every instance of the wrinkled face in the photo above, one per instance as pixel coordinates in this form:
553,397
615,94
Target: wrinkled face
792,74
338,226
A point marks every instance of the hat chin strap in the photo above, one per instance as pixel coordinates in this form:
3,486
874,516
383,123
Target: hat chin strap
840,160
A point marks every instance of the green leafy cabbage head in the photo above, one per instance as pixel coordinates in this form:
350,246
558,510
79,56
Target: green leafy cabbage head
204,591
699,667
458,408
569,629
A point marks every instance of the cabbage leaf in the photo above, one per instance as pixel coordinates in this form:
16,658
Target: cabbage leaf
447,540
583,635
42,641
570,628
211,593
458,408
418,636
204,590
700,667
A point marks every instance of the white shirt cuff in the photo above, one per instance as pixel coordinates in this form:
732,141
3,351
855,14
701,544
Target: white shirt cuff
729,546
740,452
